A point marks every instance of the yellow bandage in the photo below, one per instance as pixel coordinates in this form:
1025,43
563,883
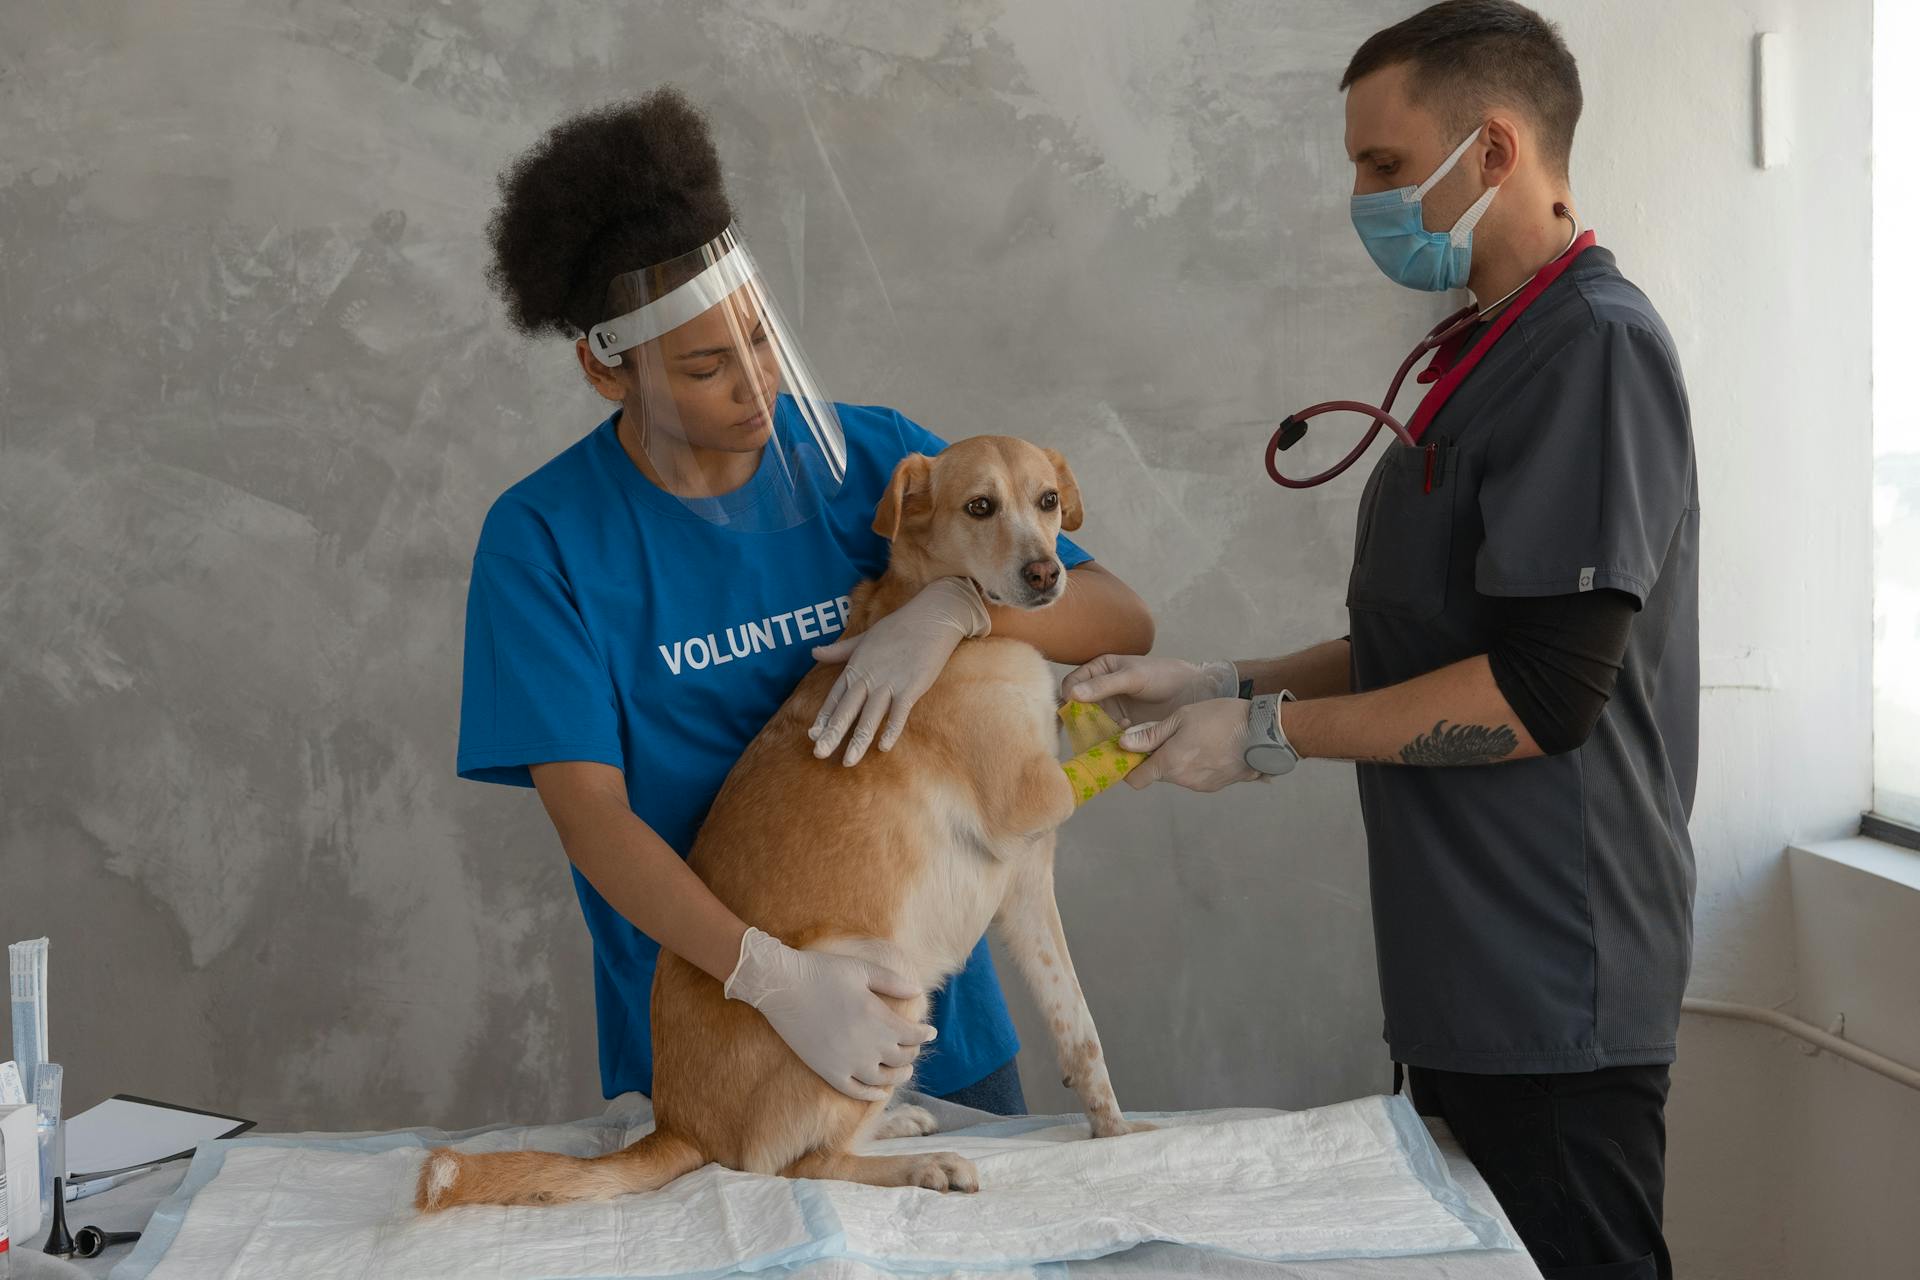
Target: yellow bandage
1102,761
1088,725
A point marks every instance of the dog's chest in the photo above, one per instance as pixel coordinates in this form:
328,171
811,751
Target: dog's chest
961,882
963,874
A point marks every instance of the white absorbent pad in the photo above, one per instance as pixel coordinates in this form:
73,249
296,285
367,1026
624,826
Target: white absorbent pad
1358,1179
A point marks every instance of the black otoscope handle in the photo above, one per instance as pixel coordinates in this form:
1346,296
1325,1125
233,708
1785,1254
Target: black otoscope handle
91,1242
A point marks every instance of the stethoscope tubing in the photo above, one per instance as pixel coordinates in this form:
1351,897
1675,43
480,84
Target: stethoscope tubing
1294,425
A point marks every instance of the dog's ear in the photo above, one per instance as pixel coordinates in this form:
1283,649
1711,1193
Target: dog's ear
1070,508
906,495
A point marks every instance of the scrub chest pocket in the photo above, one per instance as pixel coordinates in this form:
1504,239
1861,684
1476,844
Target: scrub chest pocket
1404,544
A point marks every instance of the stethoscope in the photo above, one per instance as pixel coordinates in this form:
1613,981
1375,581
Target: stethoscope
1294,426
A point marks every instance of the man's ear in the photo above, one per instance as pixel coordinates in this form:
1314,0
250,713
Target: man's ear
906,495
1500,149
1071,511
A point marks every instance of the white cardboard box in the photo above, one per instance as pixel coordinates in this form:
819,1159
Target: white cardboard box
20,1152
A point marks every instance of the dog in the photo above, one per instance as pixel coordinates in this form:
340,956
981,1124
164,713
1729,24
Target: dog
904,860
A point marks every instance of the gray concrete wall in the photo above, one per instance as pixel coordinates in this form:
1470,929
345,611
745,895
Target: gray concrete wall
259,399
255,399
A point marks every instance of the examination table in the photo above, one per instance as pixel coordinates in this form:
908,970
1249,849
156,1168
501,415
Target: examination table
132,1205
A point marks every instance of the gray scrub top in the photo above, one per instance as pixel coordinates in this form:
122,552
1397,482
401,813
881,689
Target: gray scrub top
1536,916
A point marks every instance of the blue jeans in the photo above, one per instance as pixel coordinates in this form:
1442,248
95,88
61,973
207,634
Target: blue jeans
998,1093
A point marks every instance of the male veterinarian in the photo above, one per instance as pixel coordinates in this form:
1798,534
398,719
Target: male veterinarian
1520,686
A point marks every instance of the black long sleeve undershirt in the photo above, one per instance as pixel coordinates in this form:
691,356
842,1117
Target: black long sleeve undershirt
1555,659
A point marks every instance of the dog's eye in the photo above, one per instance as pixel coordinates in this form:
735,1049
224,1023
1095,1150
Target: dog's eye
1049,500
980,508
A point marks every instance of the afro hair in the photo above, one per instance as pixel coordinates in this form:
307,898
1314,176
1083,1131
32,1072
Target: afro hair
625,186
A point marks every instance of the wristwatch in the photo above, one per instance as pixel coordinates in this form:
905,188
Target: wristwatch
1266,748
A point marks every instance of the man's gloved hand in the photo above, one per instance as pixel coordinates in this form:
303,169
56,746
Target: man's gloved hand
1135,690
892,663
828,1009
1201,747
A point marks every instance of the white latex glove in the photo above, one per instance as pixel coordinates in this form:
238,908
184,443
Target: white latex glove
827,1008
1200,747
892,663
1134,690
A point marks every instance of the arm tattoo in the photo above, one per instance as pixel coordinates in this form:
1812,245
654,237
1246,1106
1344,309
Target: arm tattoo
1460,744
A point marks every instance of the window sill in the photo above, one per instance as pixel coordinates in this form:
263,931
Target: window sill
1856,926
1890,831
1869,855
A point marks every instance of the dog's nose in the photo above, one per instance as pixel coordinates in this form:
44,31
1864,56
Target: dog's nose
1042,574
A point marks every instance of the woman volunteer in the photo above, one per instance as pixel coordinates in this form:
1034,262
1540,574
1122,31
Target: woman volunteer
643,603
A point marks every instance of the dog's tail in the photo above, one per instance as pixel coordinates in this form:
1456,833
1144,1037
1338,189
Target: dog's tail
449,1178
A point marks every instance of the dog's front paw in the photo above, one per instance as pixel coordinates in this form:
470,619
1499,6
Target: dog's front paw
1118,1126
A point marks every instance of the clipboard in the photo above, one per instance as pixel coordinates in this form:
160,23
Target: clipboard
128,1133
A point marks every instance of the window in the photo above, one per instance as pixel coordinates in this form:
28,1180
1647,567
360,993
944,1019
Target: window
1896,414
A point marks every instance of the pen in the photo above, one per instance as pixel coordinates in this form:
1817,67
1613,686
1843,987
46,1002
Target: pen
97,1185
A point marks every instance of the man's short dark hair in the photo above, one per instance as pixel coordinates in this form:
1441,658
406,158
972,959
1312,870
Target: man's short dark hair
1466,56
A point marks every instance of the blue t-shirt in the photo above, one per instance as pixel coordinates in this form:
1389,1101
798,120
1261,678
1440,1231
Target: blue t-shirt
607,622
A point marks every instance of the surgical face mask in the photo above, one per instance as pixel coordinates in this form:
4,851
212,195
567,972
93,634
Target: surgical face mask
1391,228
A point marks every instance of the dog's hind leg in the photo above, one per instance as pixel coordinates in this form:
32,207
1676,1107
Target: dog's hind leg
1029,924
449,1178
839,1126
936,1171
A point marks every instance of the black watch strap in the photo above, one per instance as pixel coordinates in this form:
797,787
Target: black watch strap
1246,688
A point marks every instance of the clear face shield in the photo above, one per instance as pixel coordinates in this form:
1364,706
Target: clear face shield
719,397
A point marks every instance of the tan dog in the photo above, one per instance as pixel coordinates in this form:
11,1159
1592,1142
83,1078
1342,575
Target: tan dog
904,860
